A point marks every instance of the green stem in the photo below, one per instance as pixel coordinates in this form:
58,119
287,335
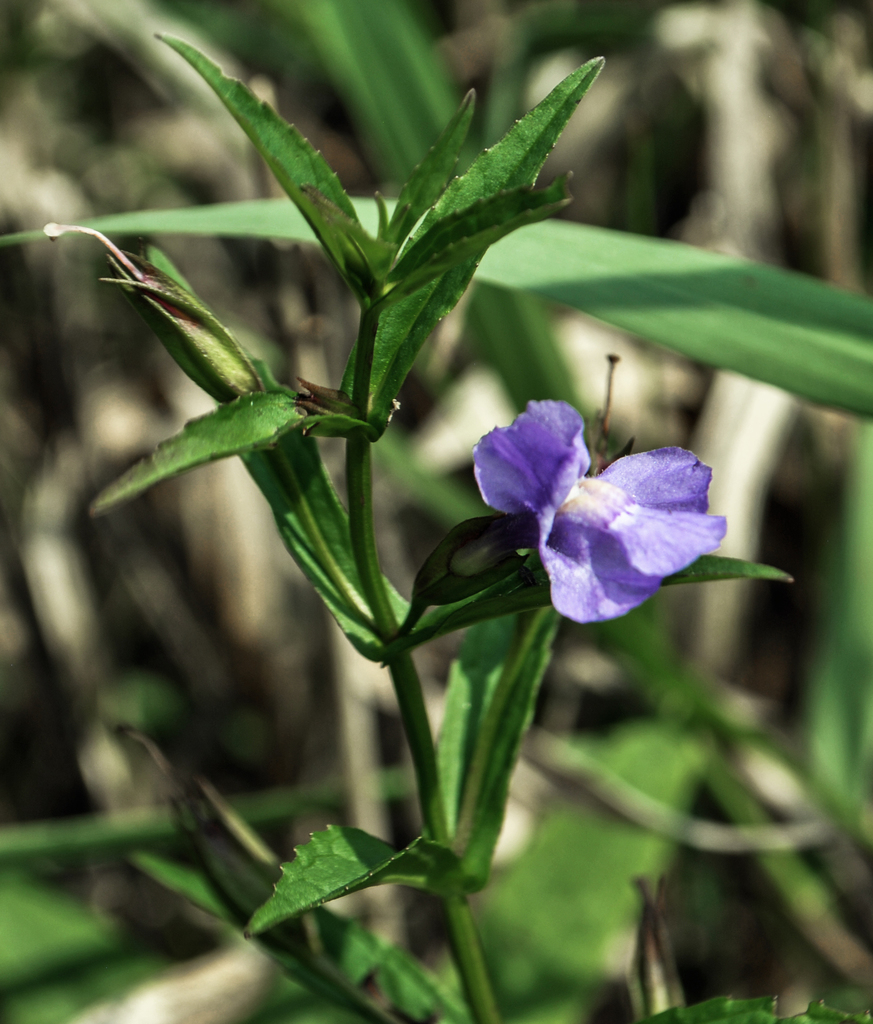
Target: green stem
470,958
463,937
416,725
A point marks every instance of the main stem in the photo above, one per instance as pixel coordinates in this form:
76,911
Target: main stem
463,936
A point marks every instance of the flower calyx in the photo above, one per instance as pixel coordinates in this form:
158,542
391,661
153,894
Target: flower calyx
204,348
474,555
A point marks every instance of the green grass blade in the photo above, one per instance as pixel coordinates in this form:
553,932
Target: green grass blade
778,326
383,63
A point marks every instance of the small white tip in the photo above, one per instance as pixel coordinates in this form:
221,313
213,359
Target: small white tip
56,230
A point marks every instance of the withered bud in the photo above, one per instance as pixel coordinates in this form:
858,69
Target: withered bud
204,348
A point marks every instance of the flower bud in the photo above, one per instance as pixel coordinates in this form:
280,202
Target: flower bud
472,556
194,337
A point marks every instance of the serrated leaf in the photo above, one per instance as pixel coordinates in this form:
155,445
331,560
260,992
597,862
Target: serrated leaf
717,567
427,181
252,421
722,1010
341,860
465,233
512,163
301,171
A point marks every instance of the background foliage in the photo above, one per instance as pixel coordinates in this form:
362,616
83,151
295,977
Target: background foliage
725,738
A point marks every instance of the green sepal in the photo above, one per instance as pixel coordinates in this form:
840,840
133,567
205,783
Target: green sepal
468,233
716,567
303,173
342,860
439,582
334,425
427,181
202,346
246,424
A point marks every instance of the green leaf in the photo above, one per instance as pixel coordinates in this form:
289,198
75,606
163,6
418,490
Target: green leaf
251,422
839,697
466,233
184,880
518,157
722,1010
427,181
770,324
498,740
303,173
507,597
512,163
715,567
472,679
341,860
361,955
315,528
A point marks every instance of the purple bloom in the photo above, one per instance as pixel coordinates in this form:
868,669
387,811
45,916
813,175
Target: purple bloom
607,541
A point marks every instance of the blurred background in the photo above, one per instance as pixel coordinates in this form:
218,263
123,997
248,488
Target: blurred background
722,734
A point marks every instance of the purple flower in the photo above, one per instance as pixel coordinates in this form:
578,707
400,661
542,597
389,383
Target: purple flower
607,541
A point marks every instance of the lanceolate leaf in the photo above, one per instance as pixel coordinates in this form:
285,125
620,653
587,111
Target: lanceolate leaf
466,233
314,526
498,739
341,860
429,178
472,680
252,421
301,171
512,163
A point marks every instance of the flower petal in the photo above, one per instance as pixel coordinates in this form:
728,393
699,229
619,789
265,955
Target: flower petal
590,574
658,543
672,479
531,465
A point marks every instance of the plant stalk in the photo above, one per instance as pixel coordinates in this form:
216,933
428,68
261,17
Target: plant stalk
463,937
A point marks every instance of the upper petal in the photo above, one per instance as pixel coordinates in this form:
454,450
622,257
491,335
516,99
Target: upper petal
668,478
532,464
